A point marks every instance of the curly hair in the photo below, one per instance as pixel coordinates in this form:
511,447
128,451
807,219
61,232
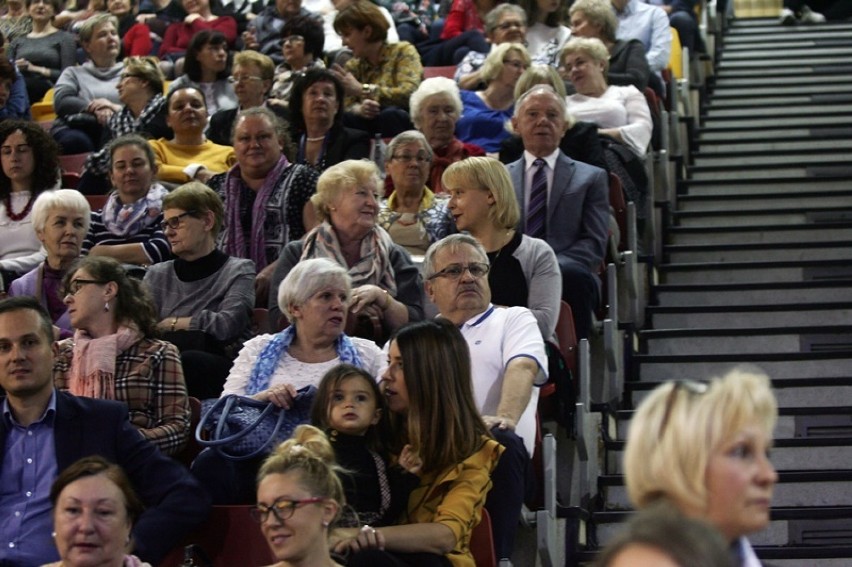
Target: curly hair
302,84
45,153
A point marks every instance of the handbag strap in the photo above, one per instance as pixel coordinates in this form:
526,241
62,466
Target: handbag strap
226,404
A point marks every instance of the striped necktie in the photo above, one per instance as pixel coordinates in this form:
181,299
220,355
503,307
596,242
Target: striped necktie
537,210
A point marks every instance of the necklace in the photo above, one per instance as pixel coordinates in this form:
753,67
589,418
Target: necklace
7,200
317,139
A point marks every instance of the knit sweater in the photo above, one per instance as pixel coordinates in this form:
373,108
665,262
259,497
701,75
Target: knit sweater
55,51
172,158
78,86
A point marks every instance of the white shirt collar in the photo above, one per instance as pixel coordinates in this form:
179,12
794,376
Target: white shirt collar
529,159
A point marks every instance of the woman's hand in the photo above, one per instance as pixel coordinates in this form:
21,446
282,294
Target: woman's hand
410,461
22,64
367,537
145,18
368,295
102,103
368,108
351,85
103,115
281,395
191,18
502,423
203,174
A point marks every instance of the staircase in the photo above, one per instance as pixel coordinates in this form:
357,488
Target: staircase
757,268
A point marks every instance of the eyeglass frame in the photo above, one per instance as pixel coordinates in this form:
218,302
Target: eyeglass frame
234,80
260,513
506,25
176,221
445,273
420,158
295,38
75,285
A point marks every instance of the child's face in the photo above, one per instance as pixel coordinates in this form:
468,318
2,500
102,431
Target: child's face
353,406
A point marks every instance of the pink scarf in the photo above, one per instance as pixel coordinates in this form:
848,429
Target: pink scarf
92,371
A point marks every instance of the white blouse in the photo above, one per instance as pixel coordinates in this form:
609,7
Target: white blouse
622,107
20,248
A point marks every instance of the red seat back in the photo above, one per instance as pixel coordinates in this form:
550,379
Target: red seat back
482,542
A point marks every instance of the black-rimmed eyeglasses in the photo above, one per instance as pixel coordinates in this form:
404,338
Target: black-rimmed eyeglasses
282,509
455,271
76,285
175,221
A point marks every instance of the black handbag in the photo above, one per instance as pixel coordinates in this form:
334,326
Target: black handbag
241,428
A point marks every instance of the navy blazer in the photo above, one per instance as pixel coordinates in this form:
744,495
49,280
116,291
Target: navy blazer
577,211
175,504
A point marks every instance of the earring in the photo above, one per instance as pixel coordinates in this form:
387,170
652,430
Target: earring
52,534
106,306
325,524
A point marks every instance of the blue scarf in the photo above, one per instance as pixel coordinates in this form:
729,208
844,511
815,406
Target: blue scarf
267,361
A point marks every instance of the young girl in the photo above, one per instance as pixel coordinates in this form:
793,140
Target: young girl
351,410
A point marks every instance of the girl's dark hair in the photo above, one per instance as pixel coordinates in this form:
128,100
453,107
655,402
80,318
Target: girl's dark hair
443,423
312,76
309,28
45,153
191,65
376,435
553,19
133,302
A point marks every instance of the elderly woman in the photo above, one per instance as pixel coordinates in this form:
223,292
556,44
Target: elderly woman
703,447
203,290
380,77
114,355
198,18
128,227
316,116
315,297
413,216
94,496
189,155
524,271
206,68
144,112
251,76
44,51
267,198
546,35
30,165
60,219
388,289
506,23
302,49
86,96
627,62
435,108
486,112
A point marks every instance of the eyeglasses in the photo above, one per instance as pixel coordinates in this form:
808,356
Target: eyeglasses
695,388
282,509
175,222
76,285
243,79
455,271
294,39
508,25
405,158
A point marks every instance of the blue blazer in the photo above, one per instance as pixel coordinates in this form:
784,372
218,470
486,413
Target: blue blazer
175,504
577,211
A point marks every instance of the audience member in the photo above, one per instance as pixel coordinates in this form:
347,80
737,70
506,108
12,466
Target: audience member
16,22
524,271
30,165
43,51
388,289
683,17
464,28
94,506
648,24
135,36
114,355
189,155
267,198
547,33
627,63
299,499
506,23
485,113
435,109
413,216
140,90
271,367
14,103
128,227
61,220
688,440
203,291
333,42
86,96
264,33
507,360
301,50
207,68
442,439
563,202
814,11
661,536
316,117
63,428
198,18
380,77
76,12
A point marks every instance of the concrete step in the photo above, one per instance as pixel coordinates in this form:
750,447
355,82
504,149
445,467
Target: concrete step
735,219
791,121
781,88
755,272
755,253
794,72
813,366
781,132
713,235
753,340
728,149
754,294
703,163
711,317
760,202
769,190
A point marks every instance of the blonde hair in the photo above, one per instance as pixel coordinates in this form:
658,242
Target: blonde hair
487,174
540,75
680,424
340,177
589,46
493,64
263,62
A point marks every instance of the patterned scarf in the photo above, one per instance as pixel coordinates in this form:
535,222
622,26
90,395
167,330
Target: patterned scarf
443,159
92,372
234,242
127,220
373,267
267,360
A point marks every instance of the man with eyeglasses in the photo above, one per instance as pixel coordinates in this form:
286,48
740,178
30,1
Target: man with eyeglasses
507,362
43,430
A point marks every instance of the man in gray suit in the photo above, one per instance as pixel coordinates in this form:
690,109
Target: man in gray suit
563,202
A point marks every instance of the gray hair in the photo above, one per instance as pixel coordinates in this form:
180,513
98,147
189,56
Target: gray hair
432,87
453,242
69,199
538,89
589,46
409,137
308,277
493,17
87,29
599,13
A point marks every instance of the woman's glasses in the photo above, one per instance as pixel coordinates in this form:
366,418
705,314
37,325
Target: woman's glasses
291,39
175,221
694,388
282,509
76,285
